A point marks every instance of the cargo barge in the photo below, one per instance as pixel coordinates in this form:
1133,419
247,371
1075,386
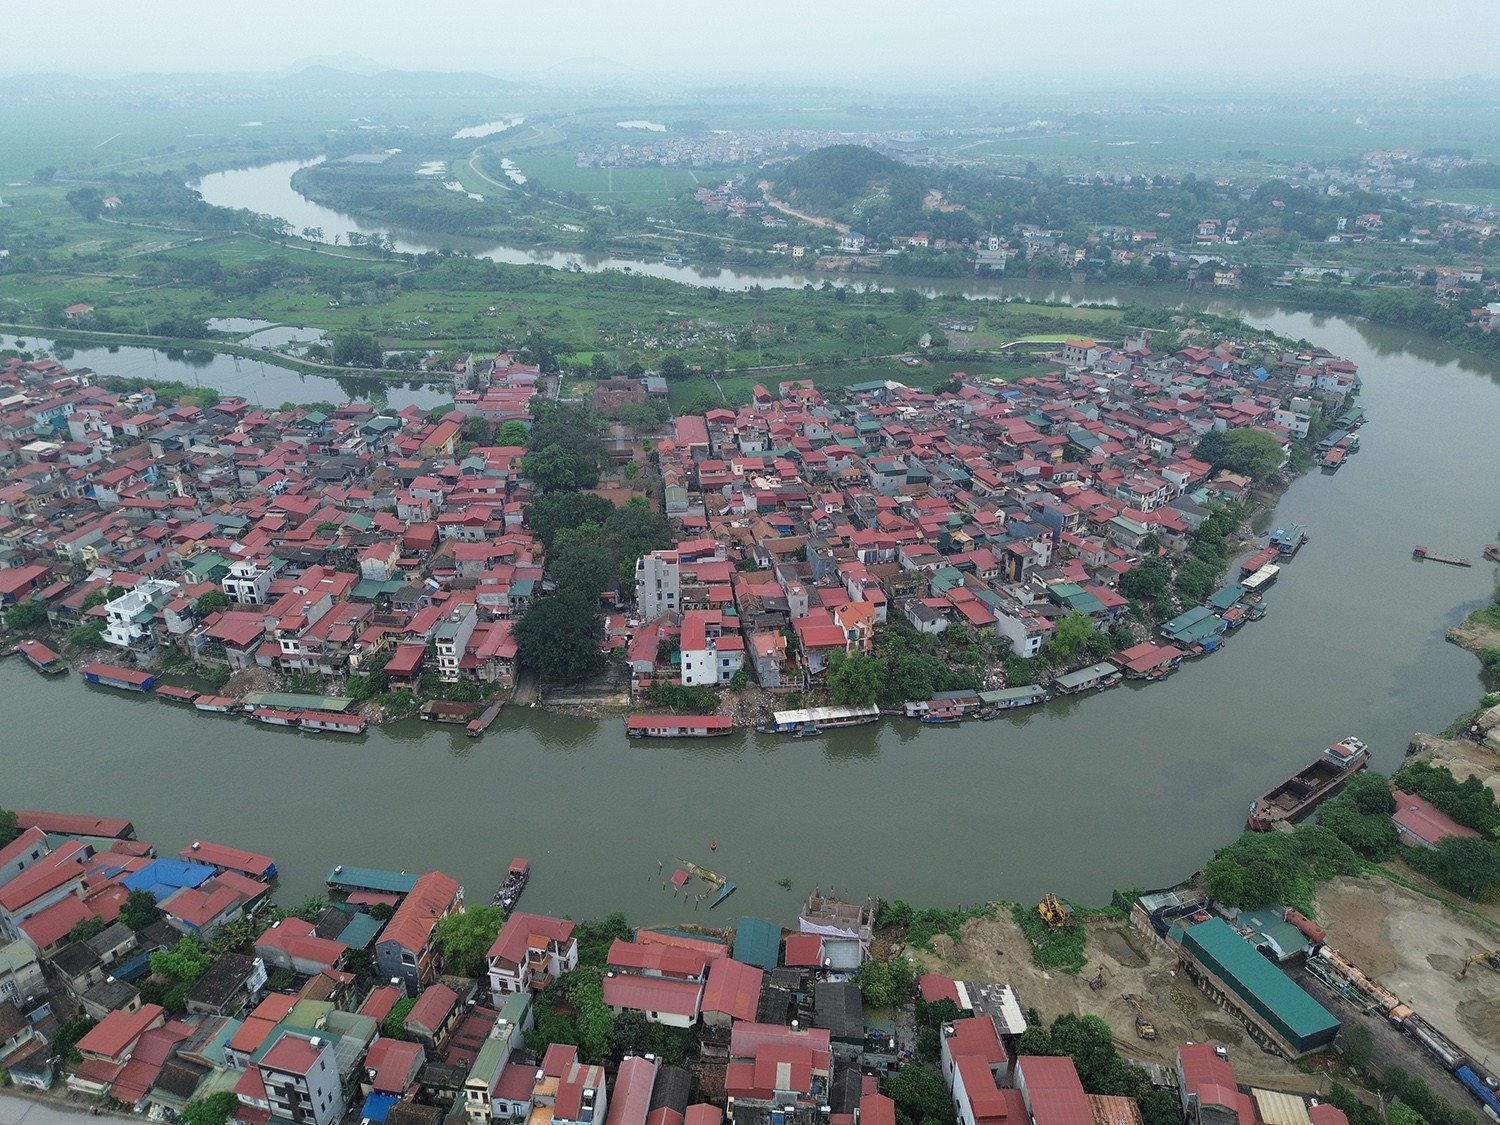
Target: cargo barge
1299,794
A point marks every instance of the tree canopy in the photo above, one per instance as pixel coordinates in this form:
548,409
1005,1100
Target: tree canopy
216,1109
886,983
7,827
464,939
854,681
1255,453
559,636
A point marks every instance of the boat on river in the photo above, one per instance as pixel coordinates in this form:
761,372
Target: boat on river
1422,554
42,658
1310,786
112,675
516,877
938,716
171,693
1492,552
678,726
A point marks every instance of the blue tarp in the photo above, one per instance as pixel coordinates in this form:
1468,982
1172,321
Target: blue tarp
166,876
1260,374
377,1106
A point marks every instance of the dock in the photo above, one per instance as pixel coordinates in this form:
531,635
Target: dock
1422,554
722,887
369,879
478,726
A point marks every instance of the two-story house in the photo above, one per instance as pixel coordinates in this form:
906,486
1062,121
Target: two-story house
530,951
404,949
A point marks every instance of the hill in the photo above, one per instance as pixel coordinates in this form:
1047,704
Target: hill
840,177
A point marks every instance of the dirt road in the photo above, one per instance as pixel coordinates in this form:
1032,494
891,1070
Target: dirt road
787,209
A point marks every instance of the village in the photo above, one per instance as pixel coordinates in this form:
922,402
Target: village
325,570
160,983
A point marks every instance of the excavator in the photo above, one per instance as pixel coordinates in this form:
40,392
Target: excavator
1055,912
1143,1027
1488,955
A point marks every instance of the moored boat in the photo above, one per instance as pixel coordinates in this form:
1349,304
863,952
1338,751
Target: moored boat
174,694
42,658
112,675
1299,794
678,726
516,877
1492,552
942,715
221,704
276,717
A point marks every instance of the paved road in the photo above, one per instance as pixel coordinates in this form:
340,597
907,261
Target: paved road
19,1109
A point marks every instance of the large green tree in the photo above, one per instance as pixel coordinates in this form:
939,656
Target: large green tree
920,1095
216,1109
1467,864
887,983
7,827
1070,639
559,636
854,681
140,910
1255,453
356,349
464,939
26,615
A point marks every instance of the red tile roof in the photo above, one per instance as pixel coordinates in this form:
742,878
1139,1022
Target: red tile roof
1424,821
430,898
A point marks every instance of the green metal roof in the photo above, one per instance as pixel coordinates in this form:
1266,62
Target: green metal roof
757,942
1226,597
294,700
1254,977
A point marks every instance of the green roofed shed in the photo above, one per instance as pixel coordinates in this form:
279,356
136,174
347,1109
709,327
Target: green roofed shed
1261,986
757,942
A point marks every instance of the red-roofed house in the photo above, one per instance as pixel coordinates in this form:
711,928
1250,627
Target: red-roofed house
225,858
630,1101
732,992
301,1078
293,944
1207,1085
675,1003
434,1017
1052,1092
1419,823
973,1064
405,947
108,1047
529,951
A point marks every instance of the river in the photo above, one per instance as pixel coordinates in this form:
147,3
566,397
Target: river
1134,786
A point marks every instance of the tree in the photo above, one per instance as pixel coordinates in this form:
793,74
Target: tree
1070,639
465,938
1255,453
1147,581
356,349
140,910
548,515
1467,864
888,983
579,565
26,615
90,927
7,827
216,1109
854,681
1370,792
559,636
1369,834
1356,1044
207,603
185,962
512,433
394,1024
552,469
674,367
919,1093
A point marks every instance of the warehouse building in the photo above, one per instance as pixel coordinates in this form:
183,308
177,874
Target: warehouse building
1231,971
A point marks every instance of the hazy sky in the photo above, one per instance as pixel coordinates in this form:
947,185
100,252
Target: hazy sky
965,40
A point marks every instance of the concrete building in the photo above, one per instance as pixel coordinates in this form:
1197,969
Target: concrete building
529,951
404,950
658,584
302,1080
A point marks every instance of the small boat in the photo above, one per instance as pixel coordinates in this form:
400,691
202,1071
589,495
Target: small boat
1492,552
514,883
1257,611
942,716
672,259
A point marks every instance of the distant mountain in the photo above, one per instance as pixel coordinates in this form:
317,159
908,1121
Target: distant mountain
349,61
403,82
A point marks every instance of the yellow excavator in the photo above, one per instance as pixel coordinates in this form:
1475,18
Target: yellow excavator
1143,1027
1055,912
1489,955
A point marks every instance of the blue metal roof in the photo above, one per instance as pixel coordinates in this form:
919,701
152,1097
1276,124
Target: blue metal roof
378,1106
164,876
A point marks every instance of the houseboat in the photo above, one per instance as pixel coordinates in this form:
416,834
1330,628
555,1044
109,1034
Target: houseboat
334,721
1288,539
1299,794
174,694
1004,699
1149,660
1257,560
813,719
42,658
276,717
1096,677
1262,578
515,882
219,704
448,711
678,726
672,259
1333,458
126,679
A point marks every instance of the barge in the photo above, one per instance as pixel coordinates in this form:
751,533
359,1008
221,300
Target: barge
1299,794
1095,677
126,679
42,658
514,883
335,721
217,704
814,719
171,693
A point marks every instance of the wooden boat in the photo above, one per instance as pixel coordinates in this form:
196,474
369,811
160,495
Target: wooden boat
1492,552
516,878
1422,554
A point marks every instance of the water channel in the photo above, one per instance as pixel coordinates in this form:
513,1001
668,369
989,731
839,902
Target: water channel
1133,786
